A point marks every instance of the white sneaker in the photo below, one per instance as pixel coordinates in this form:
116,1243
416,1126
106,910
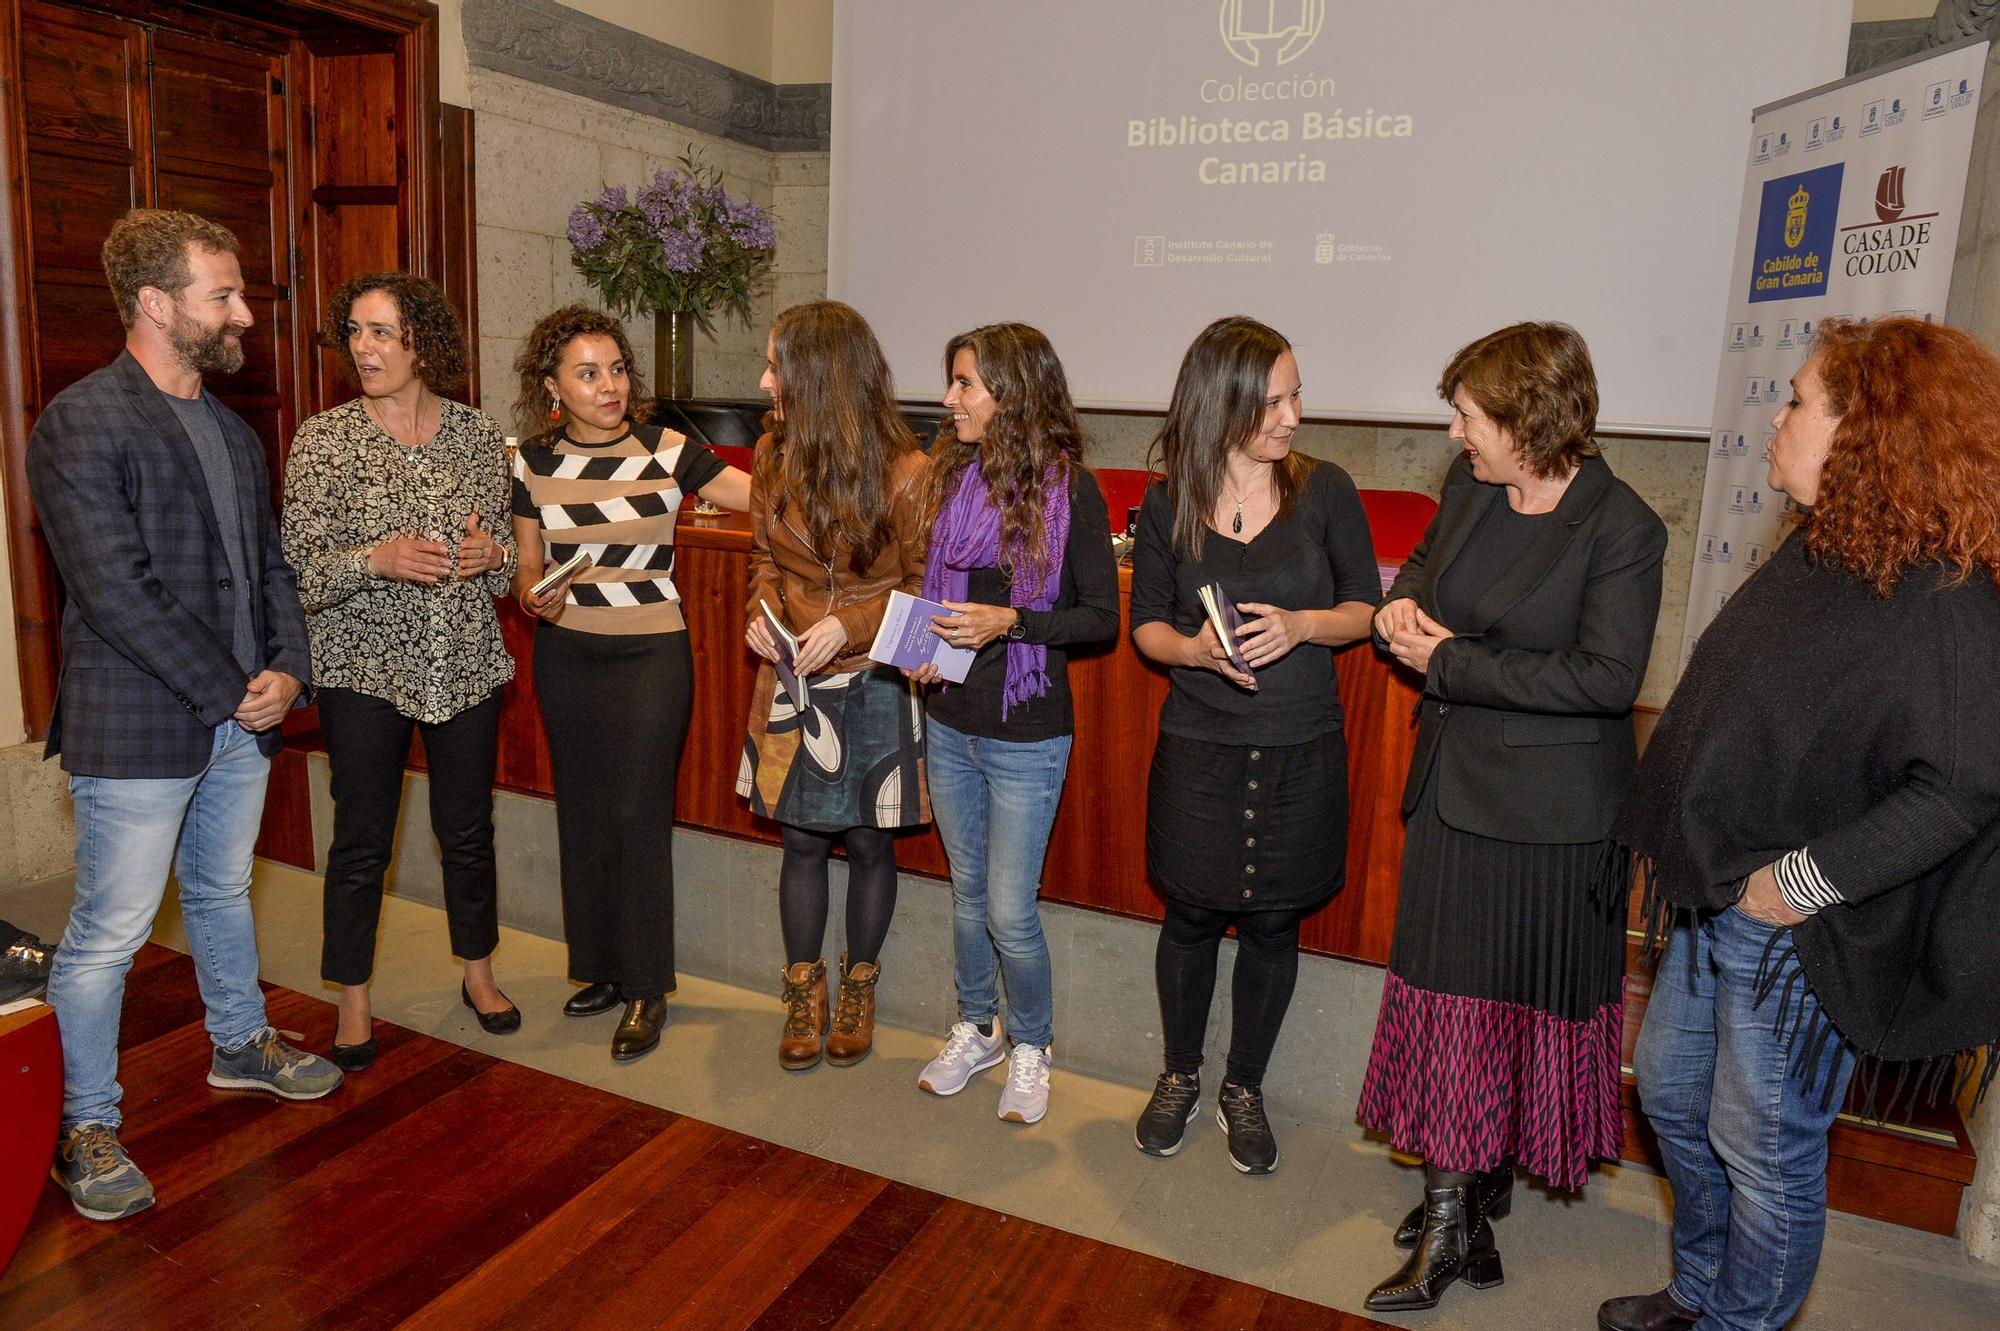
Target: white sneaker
1025,1097
966,1052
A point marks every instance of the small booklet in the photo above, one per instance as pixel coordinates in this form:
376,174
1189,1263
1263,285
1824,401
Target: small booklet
905,639
576,563
788,655
1228,623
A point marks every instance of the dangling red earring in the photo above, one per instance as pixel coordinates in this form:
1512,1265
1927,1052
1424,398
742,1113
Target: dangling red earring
555,411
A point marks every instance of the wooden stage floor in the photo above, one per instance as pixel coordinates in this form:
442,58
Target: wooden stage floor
445,1188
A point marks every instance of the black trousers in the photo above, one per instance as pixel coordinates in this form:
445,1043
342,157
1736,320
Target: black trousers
1267,969
367,745
615,709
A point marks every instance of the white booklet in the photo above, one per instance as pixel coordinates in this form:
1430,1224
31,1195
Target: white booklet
576,563
788,656
905,639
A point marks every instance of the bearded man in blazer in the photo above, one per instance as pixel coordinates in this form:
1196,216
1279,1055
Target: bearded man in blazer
183,648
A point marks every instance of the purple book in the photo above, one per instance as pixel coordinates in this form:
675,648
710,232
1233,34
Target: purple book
788,655
1228,623
905,639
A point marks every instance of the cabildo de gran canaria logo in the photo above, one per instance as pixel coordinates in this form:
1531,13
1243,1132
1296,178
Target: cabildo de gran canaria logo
1253,30
1795,225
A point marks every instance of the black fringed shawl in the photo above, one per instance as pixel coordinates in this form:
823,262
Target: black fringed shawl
1817,713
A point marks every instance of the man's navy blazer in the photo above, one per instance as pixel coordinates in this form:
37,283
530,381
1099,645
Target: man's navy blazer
147,668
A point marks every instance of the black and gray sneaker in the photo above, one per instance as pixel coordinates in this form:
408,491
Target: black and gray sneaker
267,1063
1240,1111
101,1180
24,964
1164,1121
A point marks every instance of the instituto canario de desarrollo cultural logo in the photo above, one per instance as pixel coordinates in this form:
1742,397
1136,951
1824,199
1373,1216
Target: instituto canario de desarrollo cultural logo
1892,241
1795,228
1263,33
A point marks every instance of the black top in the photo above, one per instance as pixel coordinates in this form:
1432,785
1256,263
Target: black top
1085,611
1319,557
1499,542
1816,713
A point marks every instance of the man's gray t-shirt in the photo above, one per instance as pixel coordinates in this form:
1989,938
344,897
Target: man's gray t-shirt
211,449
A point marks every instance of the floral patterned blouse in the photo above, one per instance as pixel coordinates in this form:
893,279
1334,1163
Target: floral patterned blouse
431,651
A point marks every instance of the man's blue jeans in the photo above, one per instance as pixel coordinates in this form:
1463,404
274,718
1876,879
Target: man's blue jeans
126,832
1743,1137
995,802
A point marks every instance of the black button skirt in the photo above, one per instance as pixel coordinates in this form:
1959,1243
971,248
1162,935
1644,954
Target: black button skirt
1246,827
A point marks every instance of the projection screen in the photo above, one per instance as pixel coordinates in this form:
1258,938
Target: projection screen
1381,182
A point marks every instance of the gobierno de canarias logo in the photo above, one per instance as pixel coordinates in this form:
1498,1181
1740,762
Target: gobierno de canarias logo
1264,33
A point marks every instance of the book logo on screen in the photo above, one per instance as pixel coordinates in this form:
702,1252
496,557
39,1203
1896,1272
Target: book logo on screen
1149,251
1271,32
1892,241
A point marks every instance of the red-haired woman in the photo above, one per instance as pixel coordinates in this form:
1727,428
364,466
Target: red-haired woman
836,524
1820,812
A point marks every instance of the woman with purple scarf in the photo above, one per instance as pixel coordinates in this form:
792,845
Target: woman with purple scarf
1246,804
1021,555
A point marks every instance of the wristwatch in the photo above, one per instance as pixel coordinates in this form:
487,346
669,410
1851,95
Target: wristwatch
1018,629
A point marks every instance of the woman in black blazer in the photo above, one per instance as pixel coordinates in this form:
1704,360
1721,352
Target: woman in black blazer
1528,608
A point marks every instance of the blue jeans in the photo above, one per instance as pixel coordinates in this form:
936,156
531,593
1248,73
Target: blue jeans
126,832
995,801
1743,1137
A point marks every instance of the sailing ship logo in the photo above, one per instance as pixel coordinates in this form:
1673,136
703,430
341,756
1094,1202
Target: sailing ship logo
1255,29
1889,203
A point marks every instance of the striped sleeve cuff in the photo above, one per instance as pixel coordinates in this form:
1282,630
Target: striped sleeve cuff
1804,888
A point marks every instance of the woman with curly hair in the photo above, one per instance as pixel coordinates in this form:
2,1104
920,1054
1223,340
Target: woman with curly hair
836,525
1020,553
395,508
613,671
1819,815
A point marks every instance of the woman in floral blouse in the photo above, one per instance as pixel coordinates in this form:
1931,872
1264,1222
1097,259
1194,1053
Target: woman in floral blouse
396,509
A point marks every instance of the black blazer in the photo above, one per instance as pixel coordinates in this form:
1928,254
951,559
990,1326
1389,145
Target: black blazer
147,668
1526,718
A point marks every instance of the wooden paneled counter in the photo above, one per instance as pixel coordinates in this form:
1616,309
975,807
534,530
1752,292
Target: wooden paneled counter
1097,853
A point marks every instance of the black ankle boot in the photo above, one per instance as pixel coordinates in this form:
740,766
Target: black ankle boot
639,1031
1493,1195
1451,1246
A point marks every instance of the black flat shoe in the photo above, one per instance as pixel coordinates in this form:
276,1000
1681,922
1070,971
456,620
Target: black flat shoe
639,1030
505,1022
1492,1195
593,999
24,964
353,1057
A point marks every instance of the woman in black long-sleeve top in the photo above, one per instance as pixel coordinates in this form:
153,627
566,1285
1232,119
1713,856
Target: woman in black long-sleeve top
1528,609
1020,552
1246,815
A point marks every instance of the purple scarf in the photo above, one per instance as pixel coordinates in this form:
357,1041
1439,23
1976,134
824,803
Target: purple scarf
967,536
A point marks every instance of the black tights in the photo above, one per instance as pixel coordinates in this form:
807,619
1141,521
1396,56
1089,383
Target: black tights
1267,969
871,891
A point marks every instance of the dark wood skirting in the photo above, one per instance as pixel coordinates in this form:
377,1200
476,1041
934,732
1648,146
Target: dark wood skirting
445,1188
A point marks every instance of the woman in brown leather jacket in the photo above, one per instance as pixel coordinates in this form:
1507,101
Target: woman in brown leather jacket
835,527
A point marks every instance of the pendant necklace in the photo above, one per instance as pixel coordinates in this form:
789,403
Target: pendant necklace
1236,523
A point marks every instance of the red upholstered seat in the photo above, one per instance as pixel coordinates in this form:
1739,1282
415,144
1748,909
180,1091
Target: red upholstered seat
31,1073
736,455
1396,519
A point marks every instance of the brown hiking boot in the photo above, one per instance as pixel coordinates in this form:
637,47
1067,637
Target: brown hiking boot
805,1015
853,1033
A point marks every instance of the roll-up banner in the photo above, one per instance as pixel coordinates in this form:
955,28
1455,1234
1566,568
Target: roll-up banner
1851,203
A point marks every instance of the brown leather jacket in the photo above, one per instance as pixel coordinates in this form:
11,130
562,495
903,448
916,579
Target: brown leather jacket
785,571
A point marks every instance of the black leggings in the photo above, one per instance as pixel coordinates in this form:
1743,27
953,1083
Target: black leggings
871,891
1267,969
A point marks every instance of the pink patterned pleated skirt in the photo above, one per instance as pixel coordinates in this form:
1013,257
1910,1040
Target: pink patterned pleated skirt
1503,1009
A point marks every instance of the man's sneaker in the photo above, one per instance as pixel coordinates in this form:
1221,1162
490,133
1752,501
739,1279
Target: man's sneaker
1176,1098
1025,1097
269,1064
964,1053
101,1180
1240,1111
